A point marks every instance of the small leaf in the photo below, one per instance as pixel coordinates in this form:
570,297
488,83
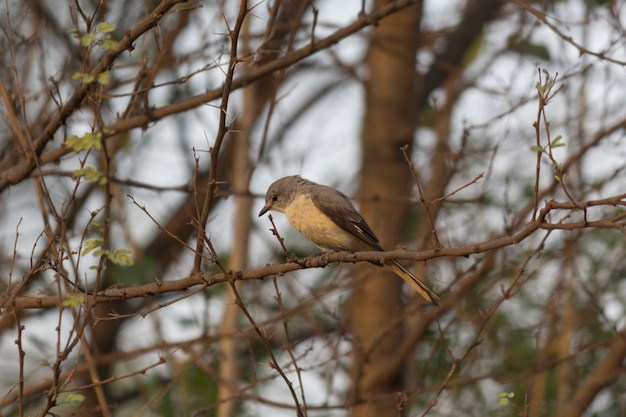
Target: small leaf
474,50
557,142
88,39
524,47
90,245
95,139
95,223
90,140
105,27
121,256
505,398
91,174
71,398
536,148
108,43
83,77
103,78
71,142
73,300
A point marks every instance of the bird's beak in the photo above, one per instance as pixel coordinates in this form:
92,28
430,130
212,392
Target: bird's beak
264,210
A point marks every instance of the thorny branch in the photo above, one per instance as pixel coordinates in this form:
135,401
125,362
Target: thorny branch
617,222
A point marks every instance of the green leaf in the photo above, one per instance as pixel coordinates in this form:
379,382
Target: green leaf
474,50
524,47
91,174
90,245
74,142
90,140
103,78
557,142
71,398
100,252
108,43
536,148
73,300
121,256
84,77
105,27
88,39
505,398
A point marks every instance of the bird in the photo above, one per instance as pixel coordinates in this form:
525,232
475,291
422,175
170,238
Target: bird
329,219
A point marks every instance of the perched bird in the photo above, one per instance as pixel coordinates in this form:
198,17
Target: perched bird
328,218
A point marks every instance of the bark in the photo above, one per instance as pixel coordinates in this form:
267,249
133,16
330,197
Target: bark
256,97
606,372
388,125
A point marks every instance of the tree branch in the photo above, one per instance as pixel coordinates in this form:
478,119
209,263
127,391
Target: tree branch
321,261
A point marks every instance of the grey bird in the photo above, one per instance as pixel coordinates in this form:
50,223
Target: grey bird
328,218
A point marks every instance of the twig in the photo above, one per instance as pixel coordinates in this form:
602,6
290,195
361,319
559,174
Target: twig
274,231
274,362
445,197
323,260
425,204
221,134
287,345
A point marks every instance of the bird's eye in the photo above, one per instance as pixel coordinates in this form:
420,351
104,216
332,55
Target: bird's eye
274,197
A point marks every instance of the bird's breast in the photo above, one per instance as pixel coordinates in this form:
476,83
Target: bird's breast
309,220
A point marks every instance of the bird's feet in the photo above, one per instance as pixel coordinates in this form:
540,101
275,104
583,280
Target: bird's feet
297,260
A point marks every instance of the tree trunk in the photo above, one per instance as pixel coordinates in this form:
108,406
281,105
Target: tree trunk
388,125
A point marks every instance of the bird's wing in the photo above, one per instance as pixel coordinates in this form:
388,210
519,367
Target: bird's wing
338,207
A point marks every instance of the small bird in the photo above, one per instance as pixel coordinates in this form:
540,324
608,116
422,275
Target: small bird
328,218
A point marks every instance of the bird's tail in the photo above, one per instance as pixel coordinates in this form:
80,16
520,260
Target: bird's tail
417,285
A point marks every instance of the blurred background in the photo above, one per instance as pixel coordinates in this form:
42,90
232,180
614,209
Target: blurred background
137,140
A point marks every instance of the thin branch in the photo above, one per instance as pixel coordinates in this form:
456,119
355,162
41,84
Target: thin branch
301,412
425,204
581,49
221,134
18,172
321,261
